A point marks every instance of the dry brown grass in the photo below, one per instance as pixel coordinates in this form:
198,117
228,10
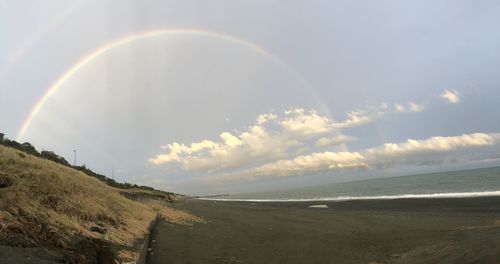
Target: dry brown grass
51,205
174,216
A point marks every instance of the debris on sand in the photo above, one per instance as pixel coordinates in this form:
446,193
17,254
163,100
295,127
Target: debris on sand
318,206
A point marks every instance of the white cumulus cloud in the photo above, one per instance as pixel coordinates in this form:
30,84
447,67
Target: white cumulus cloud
274,137
363,116
305,124
333,141
390,154
270,138
451,96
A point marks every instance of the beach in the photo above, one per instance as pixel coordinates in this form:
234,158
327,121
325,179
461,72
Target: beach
440,230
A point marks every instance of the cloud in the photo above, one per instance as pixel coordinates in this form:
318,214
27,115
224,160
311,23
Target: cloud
433,144
273,137
451,96
306,124
231,151
306,164
334,141
363,116
390,154
269,139
410,108
312,163
400,108
369,114
265,117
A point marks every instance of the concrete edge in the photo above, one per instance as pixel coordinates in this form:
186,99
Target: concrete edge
145,245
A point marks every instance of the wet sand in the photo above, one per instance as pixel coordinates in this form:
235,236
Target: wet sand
465,230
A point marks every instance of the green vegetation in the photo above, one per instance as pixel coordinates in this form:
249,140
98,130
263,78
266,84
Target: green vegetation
50,155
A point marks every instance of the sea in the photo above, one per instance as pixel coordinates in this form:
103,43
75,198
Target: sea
463,183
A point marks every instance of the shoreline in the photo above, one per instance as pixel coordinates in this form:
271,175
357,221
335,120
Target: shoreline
356,198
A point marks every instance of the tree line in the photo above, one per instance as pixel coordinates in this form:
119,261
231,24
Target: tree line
28,148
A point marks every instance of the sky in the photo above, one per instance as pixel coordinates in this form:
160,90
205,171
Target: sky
207,97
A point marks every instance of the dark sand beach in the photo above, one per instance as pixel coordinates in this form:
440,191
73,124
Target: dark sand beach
459,230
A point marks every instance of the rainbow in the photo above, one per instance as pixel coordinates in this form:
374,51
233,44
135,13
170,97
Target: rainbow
27,47
131,38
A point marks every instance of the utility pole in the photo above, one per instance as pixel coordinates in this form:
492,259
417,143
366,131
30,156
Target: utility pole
74,160
113,174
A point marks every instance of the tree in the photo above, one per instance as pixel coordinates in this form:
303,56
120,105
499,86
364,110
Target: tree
54,157
28,148
1,137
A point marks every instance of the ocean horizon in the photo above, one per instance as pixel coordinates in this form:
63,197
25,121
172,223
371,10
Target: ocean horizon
451,184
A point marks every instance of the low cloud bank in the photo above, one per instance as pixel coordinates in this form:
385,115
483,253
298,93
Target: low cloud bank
387,155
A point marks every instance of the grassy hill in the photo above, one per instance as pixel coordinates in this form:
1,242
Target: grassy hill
27,148
47,205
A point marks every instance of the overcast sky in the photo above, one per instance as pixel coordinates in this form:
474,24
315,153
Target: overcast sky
231,96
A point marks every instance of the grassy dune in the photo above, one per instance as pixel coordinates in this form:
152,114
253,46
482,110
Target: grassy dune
44,204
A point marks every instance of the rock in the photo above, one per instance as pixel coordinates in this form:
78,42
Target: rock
95,251
169,198
5,181
98,229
